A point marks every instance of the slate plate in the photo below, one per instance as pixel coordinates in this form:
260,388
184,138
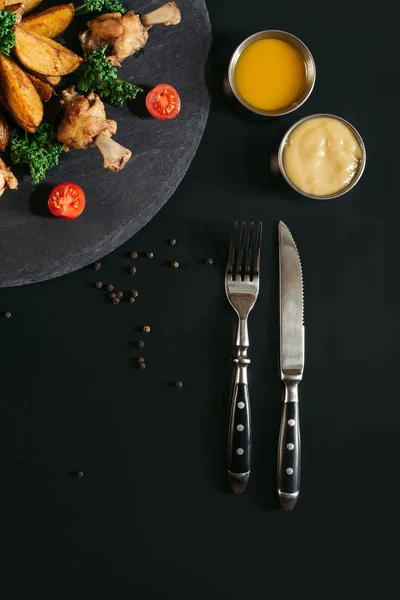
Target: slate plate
35,246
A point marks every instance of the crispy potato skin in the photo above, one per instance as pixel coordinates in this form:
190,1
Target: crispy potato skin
28,4
51,22
19,95
43,55
44,89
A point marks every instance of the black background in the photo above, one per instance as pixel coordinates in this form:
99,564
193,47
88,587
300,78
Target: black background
153,516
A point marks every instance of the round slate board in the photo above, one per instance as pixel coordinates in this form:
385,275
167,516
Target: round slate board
34,246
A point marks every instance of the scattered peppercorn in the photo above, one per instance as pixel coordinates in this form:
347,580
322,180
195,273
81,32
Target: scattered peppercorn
116,300
7,315
99,284
149,255
209,261
131,300
135,293
79,474
140,344
174,264
140,359
97,266
120,294
179,384
142,365
172,242
113,295
134,254
132,270
146,329
110,287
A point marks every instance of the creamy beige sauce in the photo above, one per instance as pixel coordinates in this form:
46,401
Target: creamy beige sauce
321,156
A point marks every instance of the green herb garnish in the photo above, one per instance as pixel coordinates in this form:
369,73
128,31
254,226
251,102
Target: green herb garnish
39,151
7,37
99,76
100,6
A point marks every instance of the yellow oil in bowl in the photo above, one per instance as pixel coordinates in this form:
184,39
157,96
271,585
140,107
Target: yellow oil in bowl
270,74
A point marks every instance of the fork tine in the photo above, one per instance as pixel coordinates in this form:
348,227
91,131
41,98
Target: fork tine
248,253
231,255
239,262
257,253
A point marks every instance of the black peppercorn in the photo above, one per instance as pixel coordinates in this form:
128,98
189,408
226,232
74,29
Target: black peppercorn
142,365
179,384
132,270
79,474
135,293
209,261
149,255
172,242
7,315
97,266
146,329
116,300
174,264
140,359
120,294
134,254
113,295
131,300
140,344
110,287
99,284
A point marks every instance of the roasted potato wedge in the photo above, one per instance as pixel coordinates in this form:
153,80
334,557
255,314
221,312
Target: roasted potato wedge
48,78
19,95
17,9
44,89
51,22
28,4
43,55
4,132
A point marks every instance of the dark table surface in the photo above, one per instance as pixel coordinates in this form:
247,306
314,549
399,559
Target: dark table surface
153,516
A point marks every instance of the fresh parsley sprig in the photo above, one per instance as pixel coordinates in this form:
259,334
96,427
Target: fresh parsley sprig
39,151
7,37
99,76
100,6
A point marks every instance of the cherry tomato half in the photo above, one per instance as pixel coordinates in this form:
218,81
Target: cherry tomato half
66,200
163,102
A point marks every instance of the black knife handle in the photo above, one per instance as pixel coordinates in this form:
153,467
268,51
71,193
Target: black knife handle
289,449
239,438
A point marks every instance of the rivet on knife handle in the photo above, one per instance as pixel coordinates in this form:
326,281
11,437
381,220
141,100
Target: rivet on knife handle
289,449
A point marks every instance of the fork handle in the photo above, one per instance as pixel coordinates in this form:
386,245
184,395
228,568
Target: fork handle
239,438
289,450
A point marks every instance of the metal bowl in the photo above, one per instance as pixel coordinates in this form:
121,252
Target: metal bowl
355,179
293,41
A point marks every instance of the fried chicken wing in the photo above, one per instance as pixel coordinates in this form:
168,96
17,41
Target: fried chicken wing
85,125
126,34
7,178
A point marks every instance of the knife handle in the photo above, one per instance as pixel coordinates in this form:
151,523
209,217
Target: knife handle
239,438
289,449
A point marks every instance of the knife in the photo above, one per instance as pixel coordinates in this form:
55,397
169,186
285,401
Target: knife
291,367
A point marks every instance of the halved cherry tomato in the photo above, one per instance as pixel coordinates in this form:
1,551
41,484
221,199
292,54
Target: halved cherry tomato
163,102
66,200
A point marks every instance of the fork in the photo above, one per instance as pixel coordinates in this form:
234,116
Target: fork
242,283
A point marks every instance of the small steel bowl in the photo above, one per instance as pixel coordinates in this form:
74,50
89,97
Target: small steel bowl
230,85
355,179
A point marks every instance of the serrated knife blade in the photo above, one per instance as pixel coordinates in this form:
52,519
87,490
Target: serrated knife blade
291,306
291,303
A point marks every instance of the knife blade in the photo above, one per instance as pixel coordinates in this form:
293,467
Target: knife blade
291,367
